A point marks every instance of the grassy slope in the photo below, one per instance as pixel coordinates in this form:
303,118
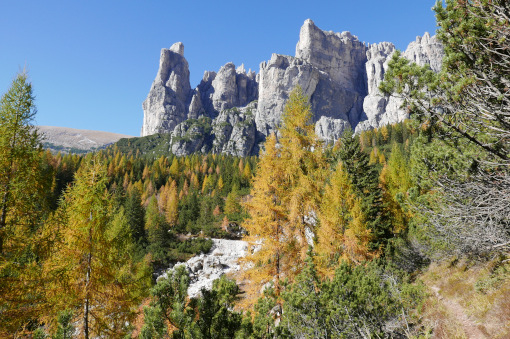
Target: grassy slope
467,300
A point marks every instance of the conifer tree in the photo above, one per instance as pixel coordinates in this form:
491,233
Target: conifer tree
23,192
305,310
396,181
247,171
156,229
342,234
232,205
286,194
365,182
358,240
135,215
172,205
268,218
467,107
304,163
90,269
19,157
334,218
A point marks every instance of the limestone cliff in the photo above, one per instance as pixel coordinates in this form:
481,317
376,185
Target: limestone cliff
165,106
329,67
232,110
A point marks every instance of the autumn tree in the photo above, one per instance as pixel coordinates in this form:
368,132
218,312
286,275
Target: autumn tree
268,218
232,204
286,194
22,204
90,270
19,157
172,205
342,234
396,181
304,163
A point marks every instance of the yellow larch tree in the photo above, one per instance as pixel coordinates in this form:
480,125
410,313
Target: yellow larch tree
268,218
90,270
343,234
285,197
396,181
357,237
247,171
335,218
174,168
305,168
172,205
23,206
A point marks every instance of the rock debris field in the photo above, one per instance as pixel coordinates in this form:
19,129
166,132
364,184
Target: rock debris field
205,268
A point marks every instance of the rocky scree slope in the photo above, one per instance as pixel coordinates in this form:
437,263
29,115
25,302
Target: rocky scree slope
203,269
233,110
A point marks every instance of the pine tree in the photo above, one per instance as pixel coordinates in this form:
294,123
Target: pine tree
169,302
135,215
305,310
467,107
365,182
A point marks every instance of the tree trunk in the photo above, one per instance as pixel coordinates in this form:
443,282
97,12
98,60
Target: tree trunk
87,285
87,298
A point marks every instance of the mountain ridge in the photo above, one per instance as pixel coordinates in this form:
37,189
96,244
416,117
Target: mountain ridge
339,73
66,139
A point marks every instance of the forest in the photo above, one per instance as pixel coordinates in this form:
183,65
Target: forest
397,232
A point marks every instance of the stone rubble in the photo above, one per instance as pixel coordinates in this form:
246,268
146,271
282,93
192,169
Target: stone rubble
205,268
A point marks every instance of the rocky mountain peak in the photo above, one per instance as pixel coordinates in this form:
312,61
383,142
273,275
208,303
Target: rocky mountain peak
241,69
340,75
340,55
165,106
425,50
178,48
379,109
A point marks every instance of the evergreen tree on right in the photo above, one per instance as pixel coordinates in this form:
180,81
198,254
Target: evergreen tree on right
365,183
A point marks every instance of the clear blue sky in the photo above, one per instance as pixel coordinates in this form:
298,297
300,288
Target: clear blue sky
92,62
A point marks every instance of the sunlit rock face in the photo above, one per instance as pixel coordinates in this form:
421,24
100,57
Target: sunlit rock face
328,66
379,109
339,74
165,106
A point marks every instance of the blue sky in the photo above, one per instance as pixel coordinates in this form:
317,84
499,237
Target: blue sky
92,62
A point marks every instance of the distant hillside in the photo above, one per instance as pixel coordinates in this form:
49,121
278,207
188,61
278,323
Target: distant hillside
151,145
71,140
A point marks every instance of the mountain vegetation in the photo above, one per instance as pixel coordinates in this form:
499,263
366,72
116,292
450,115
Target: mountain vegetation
397,232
